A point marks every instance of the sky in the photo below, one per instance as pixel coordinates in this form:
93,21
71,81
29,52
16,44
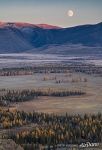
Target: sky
52,12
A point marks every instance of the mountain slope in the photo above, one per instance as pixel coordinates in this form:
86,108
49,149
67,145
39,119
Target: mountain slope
24,37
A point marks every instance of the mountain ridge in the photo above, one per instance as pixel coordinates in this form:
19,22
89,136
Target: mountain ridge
22,24
24,37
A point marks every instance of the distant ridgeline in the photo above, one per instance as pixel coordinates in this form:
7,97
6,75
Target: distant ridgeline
16,38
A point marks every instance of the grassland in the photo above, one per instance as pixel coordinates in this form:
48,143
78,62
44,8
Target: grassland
89,103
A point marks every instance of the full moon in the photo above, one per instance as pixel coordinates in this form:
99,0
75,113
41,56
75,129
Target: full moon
70,13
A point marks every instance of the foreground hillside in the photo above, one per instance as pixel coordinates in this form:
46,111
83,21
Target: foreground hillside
9,144
44,38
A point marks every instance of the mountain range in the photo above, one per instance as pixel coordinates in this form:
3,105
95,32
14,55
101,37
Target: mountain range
43,38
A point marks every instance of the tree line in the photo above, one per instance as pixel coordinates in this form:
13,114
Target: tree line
54,68
25,95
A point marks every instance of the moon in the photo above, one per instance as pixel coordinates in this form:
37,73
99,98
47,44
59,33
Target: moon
70,13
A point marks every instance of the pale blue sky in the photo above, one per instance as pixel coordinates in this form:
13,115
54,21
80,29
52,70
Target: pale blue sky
51,11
